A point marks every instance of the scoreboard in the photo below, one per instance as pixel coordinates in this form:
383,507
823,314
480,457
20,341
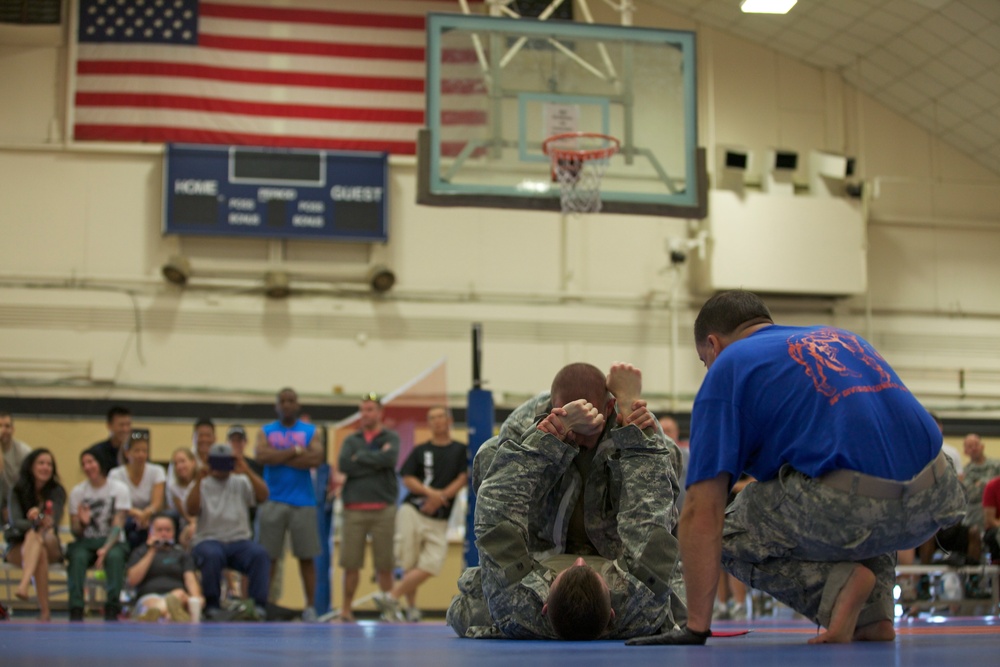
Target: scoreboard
275,193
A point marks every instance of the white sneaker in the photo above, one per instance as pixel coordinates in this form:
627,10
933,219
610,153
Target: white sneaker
738,612
308,615
413,615
388,608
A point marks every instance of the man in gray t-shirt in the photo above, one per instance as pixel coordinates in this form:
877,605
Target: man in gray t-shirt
220,500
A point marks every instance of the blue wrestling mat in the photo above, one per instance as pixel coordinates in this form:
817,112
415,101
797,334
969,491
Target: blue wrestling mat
925,643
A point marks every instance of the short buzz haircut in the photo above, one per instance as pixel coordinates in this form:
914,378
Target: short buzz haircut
117,411
580,380
726,311
204,421
579,608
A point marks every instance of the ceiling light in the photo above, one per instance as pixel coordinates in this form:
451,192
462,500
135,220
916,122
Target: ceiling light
767,6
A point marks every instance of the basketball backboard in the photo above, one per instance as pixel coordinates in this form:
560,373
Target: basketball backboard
498,87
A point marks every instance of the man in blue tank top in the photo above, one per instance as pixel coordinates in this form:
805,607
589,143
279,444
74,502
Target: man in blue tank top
288,448
848,463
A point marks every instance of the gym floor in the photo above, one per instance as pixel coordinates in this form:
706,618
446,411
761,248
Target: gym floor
919,643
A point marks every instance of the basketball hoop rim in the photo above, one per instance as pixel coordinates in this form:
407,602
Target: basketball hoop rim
579,154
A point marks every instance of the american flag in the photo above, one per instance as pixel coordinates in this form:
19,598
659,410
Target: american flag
334,74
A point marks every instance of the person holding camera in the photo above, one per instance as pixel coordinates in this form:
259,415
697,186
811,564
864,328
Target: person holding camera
163,575
220,500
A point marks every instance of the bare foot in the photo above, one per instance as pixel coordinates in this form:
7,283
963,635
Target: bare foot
879,631
847,607
21,594
345,618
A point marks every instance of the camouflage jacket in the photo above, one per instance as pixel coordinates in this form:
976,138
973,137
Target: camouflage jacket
527,492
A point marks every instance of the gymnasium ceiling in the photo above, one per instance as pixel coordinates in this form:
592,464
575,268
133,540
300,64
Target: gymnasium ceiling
936,62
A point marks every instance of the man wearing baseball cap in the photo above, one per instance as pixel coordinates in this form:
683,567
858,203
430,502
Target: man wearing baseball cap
220,499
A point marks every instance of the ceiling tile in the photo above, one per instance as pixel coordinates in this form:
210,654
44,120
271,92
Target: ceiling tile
990,33
988,8
941,72
907,50
960,104
988,124
870,71
832,17
907,94
905,9
964,16
945,28
870,32
927,40
987,54
962,62
889,62
890,22
926,83
984,97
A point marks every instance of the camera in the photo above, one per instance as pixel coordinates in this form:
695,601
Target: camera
162,544
221,463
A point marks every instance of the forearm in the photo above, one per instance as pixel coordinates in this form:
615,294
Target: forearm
259,486
521,474
138,572
456,486
269,456
700,534
194,500
116,528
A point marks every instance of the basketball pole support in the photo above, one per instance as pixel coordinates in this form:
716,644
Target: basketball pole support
479,417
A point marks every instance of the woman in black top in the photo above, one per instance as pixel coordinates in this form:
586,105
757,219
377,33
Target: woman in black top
36,506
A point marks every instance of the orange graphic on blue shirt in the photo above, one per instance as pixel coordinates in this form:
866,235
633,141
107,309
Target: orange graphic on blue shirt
839,365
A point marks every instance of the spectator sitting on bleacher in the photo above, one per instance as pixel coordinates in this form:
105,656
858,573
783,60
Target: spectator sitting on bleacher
163,574
220,499
36,506
181,478
145,482
991,519
97,509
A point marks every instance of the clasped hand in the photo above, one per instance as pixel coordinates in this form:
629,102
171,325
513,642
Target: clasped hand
580,417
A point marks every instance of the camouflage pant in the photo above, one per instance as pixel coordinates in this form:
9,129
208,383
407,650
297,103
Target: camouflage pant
468,614
798,539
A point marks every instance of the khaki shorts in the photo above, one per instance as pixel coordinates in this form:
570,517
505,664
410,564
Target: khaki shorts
358,526
274,519
421,542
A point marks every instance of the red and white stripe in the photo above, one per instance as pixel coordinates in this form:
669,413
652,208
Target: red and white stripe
298,73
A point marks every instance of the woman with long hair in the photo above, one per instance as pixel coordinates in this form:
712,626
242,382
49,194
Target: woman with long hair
146,484
181,477
36,507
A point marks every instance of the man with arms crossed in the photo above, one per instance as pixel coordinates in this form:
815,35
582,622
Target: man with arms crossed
848,463
288,448
433,473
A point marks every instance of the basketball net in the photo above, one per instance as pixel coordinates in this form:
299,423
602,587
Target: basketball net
579,160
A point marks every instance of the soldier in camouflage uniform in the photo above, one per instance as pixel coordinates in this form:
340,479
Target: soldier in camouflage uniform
542,501
965,540
849,465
